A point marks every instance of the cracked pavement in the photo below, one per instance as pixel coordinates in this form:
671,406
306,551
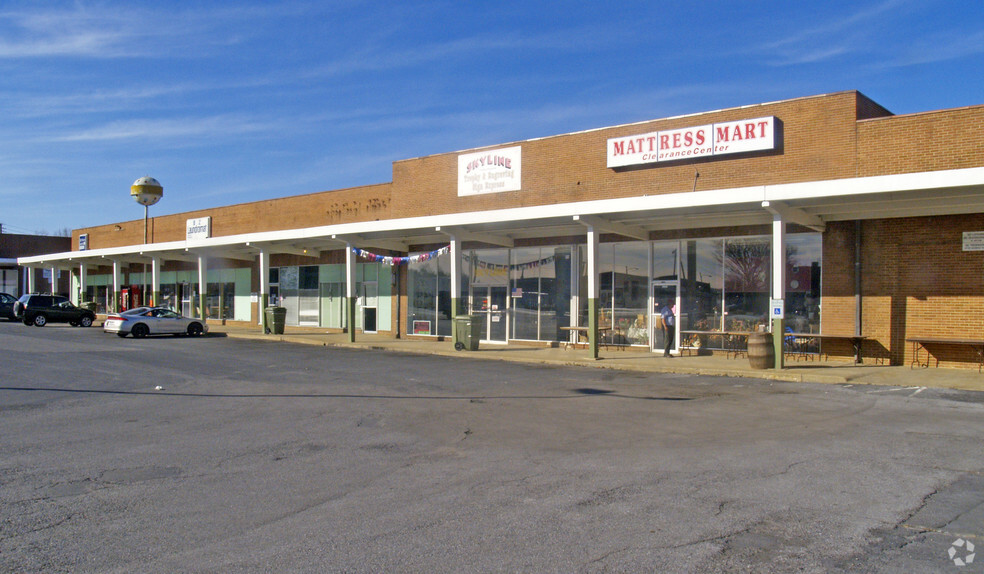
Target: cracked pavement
256,457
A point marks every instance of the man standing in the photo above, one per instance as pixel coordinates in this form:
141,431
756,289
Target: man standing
669,326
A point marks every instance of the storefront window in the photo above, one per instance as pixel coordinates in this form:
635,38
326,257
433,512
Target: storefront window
168,298
702,285
747,265
445,314
803,282
524,272
422,297
98,295
555,293
630,293
623,282
220,301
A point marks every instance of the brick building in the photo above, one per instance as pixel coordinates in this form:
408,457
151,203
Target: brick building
879,219
13,278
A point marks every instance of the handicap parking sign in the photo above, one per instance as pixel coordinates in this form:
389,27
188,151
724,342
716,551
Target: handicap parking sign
777,308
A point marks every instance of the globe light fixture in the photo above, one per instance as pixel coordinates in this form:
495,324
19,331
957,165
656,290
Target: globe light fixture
146,191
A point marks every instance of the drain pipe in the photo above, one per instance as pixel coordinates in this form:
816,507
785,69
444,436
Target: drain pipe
857,278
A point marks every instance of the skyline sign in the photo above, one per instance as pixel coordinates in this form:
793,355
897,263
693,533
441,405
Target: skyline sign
492,171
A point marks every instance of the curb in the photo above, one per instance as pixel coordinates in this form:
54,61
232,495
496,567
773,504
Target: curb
596,364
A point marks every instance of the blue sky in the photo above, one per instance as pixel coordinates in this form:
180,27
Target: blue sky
228,102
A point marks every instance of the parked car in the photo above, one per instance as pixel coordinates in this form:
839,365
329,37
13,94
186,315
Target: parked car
7,306
144,321
39,310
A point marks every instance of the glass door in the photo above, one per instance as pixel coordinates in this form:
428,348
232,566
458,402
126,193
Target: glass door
497,314
665,292
369,303
489,304
333,305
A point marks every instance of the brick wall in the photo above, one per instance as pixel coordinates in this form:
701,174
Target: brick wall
930,141
916,282
818,143
366,203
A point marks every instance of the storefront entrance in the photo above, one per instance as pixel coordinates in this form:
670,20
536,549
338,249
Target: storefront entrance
664,292
369,302
489,303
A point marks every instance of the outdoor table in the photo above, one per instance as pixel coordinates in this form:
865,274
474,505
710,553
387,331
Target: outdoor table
920,343
579,335
856,341
730,340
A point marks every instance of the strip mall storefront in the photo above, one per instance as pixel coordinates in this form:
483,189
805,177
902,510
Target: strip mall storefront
823,214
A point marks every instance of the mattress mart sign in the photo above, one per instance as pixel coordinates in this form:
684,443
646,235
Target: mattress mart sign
199,228
694,142
491,171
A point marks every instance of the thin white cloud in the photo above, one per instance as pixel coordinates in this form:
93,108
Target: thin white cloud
119,31
208,128
941,48
388,54
829,40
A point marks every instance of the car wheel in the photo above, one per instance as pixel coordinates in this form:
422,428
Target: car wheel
139,331
85,321
40,321
195,329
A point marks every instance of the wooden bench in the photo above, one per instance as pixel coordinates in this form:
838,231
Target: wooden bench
922,343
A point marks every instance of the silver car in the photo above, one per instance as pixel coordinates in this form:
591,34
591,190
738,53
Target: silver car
144,321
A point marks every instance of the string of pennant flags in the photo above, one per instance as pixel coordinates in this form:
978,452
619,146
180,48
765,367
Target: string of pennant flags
390,260
421,257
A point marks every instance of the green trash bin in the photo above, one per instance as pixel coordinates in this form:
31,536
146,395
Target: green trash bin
467,332
275,319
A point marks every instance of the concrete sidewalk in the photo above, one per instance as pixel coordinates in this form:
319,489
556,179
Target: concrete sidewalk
833,371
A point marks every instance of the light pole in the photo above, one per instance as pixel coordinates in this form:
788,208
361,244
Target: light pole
146,191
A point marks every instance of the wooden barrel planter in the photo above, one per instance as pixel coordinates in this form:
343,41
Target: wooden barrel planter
761,353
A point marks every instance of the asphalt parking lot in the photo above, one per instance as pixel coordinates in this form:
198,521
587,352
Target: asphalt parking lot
259,457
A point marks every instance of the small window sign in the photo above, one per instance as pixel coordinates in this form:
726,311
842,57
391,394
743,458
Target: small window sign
83,241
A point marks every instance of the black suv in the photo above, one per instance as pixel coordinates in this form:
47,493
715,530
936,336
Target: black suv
39,310
7,306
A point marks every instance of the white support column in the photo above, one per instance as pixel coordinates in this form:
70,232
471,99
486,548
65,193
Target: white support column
264,287
350,292
456,306
54,281
594,289
114,305
202,285
29,272
778,282
155,280
83,277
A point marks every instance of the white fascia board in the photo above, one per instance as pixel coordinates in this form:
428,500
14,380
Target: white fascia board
148,250
721,197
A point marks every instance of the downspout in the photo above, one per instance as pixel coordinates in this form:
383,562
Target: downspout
857,278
